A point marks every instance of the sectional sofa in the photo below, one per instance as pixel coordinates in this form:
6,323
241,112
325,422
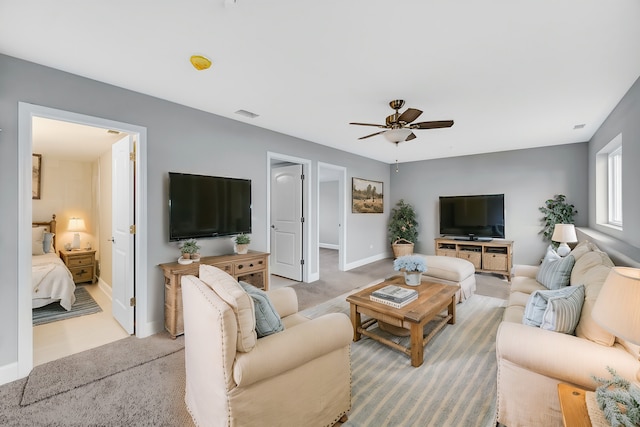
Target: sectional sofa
532,361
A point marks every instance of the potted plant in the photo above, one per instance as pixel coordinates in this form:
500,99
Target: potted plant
190,249
413,266
403,229
242,243
556,211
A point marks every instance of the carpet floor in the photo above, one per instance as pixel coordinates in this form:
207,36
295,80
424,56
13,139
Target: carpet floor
84,304
140,382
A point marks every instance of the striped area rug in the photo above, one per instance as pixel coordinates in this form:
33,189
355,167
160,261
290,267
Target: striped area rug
84,305
455,386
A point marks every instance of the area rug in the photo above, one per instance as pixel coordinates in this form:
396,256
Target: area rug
455,386
89,366
85,304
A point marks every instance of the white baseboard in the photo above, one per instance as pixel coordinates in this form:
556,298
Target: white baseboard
365,261
105,288
8,373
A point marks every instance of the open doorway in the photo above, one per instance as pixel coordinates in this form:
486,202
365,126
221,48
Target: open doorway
26,115
331,218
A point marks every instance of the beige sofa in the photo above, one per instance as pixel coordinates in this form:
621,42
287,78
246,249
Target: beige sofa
300,376
533,361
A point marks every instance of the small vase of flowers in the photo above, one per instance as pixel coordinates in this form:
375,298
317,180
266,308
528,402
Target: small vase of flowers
413,266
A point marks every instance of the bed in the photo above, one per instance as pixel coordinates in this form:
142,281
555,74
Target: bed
51,279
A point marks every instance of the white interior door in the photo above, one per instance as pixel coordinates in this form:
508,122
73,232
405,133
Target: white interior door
122,286
286,221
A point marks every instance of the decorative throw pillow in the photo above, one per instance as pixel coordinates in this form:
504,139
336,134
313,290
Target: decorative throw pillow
229,290
563,312
554,273
555,310
47,243
37,238
267,318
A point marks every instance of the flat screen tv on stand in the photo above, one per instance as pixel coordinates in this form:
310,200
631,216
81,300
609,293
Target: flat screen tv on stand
473,217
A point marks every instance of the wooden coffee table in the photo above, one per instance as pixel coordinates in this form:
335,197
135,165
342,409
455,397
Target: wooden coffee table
433,299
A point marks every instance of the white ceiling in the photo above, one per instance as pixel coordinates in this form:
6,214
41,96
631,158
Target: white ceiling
511,73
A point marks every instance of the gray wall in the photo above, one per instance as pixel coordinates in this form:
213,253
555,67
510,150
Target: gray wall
329,218
526,178
180,139
624,119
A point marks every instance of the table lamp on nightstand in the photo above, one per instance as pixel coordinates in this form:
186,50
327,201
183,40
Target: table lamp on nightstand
76,225
564,233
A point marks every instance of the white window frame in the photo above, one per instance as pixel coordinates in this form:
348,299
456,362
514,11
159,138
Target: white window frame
614,193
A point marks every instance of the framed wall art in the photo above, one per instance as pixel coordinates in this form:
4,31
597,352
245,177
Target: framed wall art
36,173
366,196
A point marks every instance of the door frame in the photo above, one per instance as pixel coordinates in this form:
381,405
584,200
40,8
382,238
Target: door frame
26,112
342,203
309,273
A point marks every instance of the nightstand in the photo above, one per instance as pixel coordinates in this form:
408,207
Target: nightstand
81,264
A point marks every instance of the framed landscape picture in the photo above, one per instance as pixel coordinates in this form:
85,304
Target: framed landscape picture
35,175
366,196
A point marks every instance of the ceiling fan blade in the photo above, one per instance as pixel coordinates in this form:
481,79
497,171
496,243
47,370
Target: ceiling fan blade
373,134
432,125
411,136
410,115
368,124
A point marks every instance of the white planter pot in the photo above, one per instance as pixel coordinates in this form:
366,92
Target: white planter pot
412,278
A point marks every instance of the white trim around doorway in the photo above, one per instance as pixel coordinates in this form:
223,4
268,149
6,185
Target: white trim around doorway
26,112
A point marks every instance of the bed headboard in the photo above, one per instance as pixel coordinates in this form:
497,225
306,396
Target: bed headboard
49,225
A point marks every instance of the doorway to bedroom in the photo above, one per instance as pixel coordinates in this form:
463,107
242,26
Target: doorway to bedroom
71,200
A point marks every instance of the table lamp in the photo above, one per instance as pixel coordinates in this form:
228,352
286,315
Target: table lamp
616,308
564,233
76,225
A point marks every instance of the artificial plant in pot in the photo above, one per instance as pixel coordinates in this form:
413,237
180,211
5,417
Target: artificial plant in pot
403,229
556,211
242,243
190,249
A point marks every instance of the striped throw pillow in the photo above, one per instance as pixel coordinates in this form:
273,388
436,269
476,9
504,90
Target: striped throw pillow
563,310
554,273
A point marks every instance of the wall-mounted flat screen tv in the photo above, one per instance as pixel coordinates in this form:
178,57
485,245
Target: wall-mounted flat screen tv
472,217
208,206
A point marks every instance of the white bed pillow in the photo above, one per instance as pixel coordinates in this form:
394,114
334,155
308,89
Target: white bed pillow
37,239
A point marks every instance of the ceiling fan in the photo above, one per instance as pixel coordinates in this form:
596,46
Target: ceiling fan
399,127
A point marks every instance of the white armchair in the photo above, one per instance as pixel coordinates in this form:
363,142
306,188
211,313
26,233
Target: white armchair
300,376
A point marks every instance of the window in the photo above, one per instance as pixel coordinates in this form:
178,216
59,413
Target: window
609,184
614,178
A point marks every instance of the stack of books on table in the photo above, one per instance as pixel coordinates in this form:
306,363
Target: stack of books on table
394,296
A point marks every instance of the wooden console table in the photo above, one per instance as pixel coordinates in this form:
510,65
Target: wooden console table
495,256
252,268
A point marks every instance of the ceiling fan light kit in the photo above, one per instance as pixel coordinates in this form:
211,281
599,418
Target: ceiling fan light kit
400,125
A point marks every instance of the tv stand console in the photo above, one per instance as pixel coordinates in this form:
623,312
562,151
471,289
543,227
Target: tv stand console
252,268
493,256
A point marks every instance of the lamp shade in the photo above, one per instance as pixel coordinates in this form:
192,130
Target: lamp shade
397,135
564,233
76,224
616,308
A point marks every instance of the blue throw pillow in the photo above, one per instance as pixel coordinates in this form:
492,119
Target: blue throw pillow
555,310
555,272
47,243
267,318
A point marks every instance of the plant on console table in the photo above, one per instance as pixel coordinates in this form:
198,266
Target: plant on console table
242,243
403,229
413,266
190,249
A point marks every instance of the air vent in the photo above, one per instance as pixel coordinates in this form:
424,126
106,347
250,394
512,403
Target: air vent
580,126
247,114
113,132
